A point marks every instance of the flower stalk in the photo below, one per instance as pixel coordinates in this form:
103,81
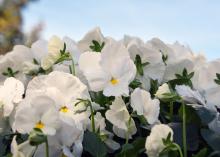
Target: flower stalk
47,148
92,117
184,129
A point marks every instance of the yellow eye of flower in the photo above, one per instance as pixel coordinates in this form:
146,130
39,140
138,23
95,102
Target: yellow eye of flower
64,109
114,81
63,155
39,125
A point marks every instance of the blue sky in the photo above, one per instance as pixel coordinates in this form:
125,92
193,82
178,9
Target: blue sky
192,22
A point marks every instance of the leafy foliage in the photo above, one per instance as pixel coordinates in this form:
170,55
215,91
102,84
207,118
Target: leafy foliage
93,144
10,72
96,46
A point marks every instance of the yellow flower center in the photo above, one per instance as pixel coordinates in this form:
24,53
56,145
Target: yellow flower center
63,155
114,81
39,125
64,109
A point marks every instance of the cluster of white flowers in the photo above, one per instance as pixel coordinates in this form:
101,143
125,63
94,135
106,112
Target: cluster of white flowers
56,91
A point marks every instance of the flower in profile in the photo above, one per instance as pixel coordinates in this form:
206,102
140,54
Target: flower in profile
59,50
118,115
154,142
142,103
163,89
92,41
37,112
148,61
206,82
11,93
11,65
189,95
110,71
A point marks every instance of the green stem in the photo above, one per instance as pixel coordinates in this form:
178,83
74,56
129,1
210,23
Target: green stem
184,130
126,142
72,67
179,149
92,117
47,148
171,111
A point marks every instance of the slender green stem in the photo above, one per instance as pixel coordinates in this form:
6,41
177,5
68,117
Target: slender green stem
126,142
47,148
73,71
179,149
171,111
184,130
92,117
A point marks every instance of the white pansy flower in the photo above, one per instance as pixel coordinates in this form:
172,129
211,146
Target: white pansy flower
178,58
177,67
110,71
161,47
15,60
37,112
182,57
55,45
164,88
38,50
21,150
142,103
64,89
94,34
204,82
154,144
11,93
205,75
54,48
118,115
155,67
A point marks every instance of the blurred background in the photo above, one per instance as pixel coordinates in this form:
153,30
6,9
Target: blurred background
192,22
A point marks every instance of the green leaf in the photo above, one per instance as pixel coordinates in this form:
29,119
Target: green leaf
201,153
217,81
212,138
191,75
139,65
170,97
164,57
218,75
62,52
134,149
192,135
35,61
180,81
96,47
93,144
153,86
205,114
191,114
135,84
9,72
37,137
